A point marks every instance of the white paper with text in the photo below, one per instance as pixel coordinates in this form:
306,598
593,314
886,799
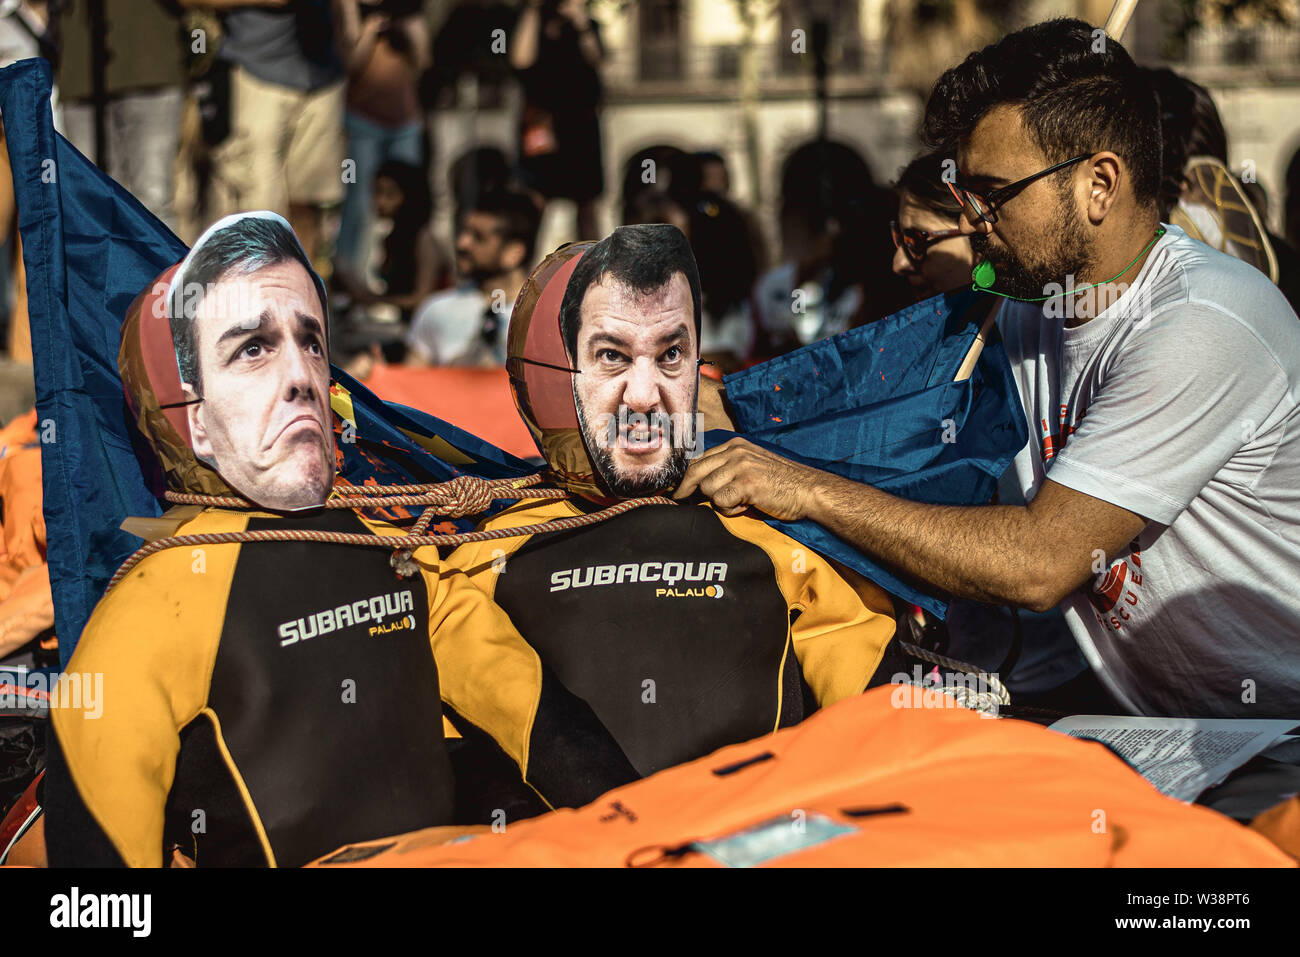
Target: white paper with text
1182,757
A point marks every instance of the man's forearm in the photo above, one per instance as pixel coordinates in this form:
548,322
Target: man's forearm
974,552
1031,556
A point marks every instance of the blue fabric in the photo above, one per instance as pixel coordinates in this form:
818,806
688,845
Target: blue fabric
877,404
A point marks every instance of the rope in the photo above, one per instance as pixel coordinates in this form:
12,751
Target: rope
461,496
986,701
466,495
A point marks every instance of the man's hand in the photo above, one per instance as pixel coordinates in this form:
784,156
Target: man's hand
739,475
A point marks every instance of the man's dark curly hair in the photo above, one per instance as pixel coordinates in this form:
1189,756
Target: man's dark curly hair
1074,98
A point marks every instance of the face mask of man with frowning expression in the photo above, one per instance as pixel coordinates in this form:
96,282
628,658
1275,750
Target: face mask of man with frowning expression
263,418
637,381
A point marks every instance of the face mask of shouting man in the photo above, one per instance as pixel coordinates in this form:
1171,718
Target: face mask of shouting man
635,348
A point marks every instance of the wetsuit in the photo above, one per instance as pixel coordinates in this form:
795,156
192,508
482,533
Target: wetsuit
683,629
265,703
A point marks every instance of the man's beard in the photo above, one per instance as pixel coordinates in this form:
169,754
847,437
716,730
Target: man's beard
663,477
470,272
1067,253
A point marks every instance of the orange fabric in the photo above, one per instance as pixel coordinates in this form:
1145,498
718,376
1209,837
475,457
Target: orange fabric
30,849
428,837
26,606
973,791
20,490
476,400
1281,825
28,611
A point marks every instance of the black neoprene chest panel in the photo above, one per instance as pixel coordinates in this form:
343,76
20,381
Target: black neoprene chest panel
327,692
670,627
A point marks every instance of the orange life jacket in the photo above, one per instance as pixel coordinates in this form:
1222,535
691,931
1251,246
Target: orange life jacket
1281,825
891,777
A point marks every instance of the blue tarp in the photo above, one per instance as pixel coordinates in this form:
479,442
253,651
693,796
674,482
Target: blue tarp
878,404
872,404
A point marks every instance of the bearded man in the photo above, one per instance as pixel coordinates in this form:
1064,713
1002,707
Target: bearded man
1161,381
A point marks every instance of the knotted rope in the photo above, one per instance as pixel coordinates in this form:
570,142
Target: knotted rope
987,701
464,495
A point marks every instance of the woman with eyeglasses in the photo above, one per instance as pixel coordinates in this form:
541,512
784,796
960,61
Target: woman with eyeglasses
929,249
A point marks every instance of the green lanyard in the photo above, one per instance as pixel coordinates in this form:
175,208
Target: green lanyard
984,276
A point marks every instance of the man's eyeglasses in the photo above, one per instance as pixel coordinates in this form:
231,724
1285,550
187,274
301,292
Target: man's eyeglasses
983,207
915,243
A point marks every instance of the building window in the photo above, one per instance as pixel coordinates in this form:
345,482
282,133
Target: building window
661,38
844,37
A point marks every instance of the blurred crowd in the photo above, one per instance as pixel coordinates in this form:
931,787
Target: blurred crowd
323,111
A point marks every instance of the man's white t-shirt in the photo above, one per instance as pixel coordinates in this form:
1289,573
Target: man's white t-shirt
1180,403
447,329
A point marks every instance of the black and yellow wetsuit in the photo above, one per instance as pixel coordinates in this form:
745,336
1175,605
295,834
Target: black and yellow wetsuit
265,703
685,630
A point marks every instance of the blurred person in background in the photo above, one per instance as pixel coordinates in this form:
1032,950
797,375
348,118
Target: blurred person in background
722,240
143,77
930,251
479,170
466,326
388,42
656,206
462,50
557,52
836,247
653,169
708,175
285,147
411,265
714,176
729,264
1191,127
